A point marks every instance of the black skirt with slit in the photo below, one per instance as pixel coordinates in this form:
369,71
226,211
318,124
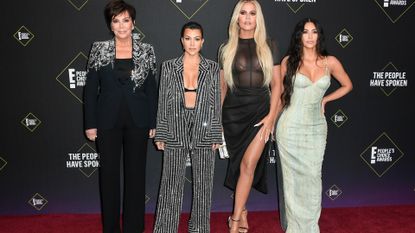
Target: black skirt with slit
242,109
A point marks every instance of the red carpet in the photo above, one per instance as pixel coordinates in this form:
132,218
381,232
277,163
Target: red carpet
389,219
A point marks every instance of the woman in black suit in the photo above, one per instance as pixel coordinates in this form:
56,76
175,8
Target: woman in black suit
188,124
120,111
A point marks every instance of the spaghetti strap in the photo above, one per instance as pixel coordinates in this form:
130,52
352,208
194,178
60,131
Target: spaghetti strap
326,66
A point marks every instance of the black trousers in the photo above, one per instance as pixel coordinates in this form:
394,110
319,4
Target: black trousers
132,141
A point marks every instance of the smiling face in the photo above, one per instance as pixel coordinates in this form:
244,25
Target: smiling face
192,41
310,35
247,17
122,25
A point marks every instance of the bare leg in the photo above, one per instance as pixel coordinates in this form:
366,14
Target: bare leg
247,171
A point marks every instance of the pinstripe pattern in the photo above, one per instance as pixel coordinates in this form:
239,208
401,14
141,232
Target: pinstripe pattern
187,132
171,125
172,185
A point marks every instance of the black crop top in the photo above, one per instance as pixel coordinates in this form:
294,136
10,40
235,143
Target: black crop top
190,90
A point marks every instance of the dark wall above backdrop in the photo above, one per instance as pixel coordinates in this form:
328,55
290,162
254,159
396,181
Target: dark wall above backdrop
48,166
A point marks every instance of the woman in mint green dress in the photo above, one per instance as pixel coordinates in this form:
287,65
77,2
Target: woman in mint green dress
302,128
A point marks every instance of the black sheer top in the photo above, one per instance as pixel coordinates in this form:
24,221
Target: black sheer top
246,70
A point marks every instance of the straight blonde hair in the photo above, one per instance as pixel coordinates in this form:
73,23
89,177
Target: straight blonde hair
228,51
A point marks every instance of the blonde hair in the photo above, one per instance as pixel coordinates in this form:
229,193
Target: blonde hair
228,51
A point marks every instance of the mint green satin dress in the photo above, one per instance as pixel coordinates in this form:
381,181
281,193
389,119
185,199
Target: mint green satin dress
301,137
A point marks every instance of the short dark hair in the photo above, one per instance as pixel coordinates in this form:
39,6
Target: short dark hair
114,8
192,25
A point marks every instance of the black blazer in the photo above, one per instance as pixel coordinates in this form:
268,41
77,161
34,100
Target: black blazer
103,93
171,121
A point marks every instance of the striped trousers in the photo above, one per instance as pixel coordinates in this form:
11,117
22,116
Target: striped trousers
172,185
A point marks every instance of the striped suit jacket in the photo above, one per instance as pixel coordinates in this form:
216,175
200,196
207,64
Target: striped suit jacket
171,123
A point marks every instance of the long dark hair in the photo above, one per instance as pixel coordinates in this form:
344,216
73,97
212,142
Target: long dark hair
295,54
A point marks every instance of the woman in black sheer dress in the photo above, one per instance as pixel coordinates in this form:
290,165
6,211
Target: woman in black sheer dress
249,68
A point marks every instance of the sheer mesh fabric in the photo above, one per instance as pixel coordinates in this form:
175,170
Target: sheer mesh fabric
246,71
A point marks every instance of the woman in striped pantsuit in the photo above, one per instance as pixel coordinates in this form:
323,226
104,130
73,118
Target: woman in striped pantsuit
188,124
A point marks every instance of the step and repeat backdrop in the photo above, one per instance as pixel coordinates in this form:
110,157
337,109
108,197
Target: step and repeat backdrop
48,166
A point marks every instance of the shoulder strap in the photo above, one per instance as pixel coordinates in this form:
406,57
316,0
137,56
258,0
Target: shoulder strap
326,66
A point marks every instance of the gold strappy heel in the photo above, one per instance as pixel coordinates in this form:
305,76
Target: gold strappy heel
230,219
244,216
